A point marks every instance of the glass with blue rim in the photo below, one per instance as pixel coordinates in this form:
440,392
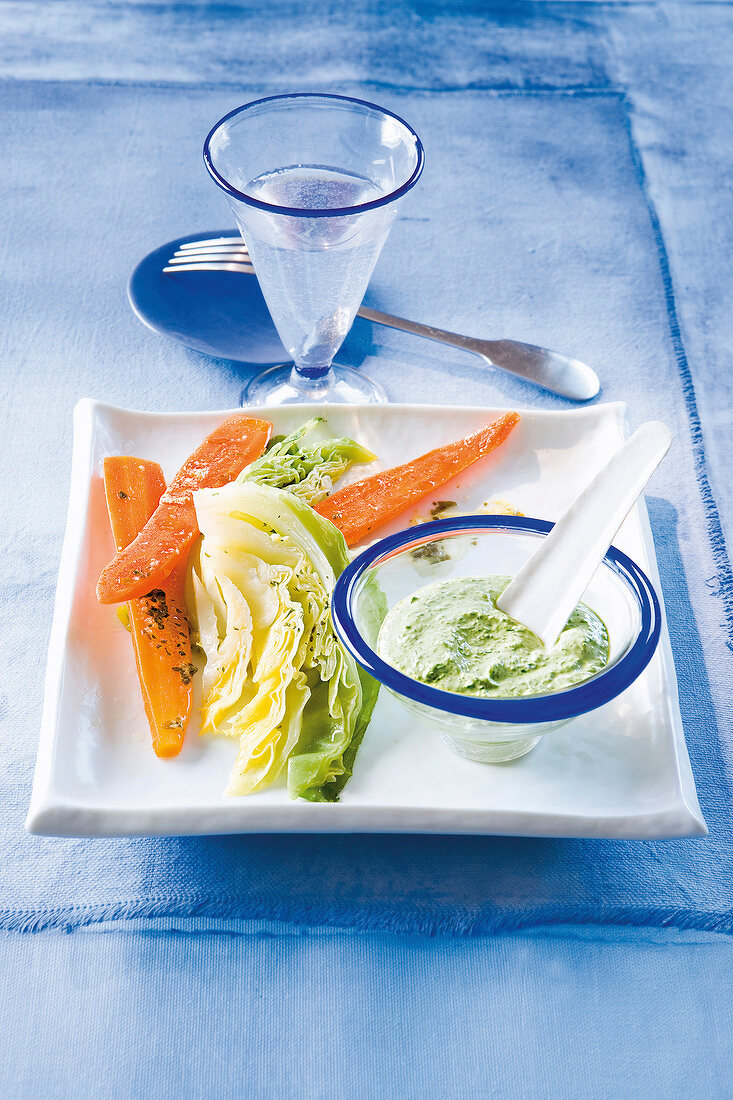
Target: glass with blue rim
314,182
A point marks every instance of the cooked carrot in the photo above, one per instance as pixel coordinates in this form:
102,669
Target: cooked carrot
158,621
170,532
360,508
163,657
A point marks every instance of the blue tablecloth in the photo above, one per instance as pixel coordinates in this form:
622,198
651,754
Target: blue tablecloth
262,1012
567,201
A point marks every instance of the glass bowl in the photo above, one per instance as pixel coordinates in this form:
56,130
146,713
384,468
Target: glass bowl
490,730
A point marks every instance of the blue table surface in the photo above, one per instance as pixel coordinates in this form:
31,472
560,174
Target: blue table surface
587,149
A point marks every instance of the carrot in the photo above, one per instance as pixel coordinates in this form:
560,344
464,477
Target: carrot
170,532
158,621
358,509
133,487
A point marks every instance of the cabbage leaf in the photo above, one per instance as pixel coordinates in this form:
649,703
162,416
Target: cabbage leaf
303,465
276,676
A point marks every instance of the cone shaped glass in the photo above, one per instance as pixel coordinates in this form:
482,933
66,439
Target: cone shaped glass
314,182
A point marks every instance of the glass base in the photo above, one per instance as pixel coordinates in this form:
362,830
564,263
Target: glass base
284,386
491,752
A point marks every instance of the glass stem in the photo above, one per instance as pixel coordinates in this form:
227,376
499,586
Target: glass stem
311,380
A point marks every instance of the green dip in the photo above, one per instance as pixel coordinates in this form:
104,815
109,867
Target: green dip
451,635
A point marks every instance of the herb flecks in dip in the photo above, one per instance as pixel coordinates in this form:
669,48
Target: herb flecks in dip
451,635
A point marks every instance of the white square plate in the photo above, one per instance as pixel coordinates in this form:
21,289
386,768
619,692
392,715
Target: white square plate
622,771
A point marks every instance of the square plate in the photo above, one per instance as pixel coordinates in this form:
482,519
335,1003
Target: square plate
621,771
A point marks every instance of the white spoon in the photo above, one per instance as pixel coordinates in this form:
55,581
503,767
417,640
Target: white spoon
548,587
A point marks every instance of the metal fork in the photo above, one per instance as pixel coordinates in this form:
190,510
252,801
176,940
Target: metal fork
548,369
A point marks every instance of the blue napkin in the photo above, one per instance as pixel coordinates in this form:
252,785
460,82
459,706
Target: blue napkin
533,219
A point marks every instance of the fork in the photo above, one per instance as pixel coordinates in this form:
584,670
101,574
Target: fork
554,372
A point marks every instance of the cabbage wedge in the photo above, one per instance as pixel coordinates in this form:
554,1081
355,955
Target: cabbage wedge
276,676
305,465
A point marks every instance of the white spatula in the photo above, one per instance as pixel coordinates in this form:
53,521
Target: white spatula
548,587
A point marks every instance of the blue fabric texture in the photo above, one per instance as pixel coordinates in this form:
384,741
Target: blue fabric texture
251,1010
543,213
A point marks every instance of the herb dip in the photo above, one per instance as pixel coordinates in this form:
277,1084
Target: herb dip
451,634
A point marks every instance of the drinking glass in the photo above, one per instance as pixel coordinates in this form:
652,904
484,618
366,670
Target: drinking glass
314,182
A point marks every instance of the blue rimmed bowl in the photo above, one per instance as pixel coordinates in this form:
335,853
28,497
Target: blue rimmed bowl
490,730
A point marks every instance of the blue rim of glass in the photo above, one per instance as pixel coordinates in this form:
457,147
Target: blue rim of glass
300,212
593,693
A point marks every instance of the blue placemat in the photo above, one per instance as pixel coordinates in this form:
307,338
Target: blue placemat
233,1009
534,218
